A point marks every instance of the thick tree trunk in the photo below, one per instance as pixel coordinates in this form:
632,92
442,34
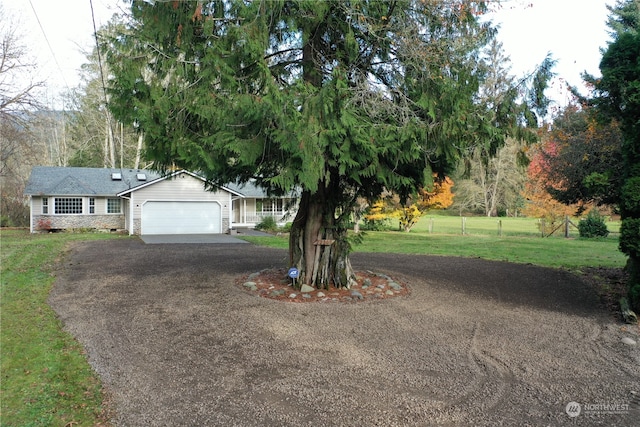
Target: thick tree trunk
317,245
317,248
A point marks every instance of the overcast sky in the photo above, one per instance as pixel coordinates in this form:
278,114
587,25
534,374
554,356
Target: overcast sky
57,33
573,31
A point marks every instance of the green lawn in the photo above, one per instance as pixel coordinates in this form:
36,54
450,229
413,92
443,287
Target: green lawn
526,227
520,242
46,380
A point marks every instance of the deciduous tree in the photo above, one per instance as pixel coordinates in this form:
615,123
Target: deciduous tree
18,101
490,183
539,202
585,165
377,215
410,212
17,93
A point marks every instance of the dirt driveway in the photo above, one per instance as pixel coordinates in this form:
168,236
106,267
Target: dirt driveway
178,343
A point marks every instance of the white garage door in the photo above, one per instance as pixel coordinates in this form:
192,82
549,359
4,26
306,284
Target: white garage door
181,218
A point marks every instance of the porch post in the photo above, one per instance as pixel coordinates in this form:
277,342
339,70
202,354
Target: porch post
31,214
230,212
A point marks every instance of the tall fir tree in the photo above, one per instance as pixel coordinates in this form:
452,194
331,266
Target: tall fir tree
341,100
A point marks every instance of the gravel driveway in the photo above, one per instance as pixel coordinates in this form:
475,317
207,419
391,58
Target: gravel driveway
178,343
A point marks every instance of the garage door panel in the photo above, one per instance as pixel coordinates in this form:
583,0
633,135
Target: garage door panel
178,217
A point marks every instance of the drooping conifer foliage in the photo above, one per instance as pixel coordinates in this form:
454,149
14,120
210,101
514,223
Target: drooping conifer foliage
617,97
338,99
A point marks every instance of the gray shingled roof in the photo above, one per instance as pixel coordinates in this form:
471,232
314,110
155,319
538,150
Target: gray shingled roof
251,190
248,189
72,181
65,181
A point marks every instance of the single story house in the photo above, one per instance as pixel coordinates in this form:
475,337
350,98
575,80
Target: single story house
144,202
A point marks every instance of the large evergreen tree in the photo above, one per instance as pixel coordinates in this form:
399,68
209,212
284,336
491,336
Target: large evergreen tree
618,98
338,99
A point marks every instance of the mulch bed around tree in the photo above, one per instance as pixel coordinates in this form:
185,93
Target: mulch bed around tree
275,284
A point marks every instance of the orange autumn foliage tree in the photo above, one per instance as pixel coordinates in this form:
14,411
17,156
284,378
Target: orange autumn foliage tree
408,214
540,203
440,197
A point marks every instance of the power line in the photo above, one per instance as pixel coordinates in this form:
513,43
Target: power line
44,34
95,35
104,83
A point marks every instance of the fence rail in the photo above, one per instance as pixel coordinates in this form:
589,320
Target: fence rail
507,226
566,224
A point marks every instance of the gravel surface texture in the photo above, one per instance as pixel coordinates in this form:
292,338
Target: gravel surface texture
177,342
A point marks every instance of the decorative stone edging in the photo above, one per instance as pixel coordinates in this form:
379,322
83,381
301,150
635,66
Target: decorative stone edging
274,284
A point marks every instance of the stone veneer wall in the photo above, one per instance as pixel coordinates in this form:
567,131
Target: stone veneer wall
137,224
65,222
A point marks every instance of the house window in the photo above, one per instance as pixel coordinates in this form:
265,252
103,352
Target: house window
114,206
45,205
271,206
68,205
92,205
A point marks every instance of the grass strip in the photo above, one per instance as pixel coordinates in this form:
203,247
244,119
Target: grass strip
46,379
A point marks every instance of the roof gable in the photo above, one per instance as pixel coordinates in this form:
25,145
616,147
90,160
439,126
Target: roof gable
174,175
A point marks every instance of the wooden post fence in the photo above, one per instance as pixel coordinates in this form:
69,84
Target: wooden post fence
566,223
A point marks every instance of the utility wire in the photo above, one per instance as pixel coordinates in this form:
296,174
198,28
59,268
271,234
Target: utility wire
95,35
104,86
44,34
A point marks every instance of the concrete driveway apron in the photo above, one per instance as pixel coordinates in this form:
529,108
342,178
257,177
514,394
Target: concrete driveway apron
152,239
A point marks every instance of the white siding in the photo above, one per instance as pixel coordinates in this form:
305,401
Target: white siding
36,206
182,187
